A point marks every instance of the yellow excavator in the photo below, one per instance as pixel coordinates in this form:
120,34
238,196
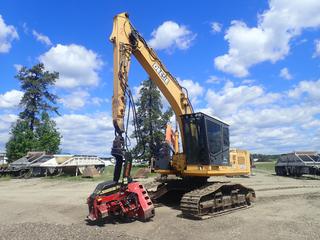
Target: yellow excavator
205,143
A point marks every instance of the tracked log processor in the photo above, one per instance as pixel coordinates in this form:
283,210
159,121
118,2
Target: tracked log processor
205,144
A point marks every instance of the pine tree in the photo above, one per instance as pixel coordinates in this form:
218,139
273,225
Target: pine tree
34,130
151,121
47,135
37,98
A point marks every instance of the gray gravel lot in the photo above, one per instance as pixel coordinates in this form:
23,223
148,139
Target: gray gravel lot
286,208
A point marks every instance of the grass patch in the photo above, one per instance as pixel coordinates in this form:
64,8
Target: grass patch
66,177
5,178
265,166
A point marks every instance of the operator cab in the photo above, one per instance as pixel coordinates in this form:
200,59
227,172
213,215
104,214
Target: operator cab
206,140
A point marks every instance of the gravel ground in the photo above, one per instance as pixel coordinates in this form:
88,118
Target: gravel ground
286,208
40,231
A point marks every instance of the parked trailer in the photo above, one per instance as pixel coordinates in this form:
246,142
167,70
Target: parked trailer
298,163
21,167
71,164
42,164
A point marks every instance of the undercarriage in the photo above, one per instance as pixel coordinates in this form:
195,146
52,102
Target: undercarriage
202,199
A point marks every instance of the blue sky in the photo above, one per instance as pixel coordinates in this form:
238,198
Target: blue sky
254,64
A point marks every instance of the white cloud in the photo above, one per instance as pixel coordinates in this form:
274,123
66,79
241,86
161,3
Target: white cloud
10,99
136,92
231,98
17,67
275,129
75,100
317,48
268,122
86,134
248,81
77,65
25,28
170,35
81,98
270,39
97,101
195,90
6,120
284,73
213,79
216,27
7,34
309,88
42,38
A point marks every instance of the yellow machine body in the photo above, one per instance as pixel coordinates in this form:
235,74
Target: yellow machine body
239,165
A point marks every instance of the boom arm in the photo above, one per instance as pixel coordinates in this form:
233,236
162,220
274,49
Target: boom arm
127,41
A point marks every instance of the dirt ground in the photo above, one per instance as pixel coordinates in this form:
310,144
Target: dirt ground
285,208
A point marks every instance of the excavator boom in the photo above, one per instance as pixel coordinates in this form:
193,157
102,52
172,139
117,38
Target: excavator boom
126,42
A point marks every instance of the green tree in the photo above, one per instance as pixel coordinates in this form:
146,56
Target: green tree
47,135
21,141
34,130
35,83
150,120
